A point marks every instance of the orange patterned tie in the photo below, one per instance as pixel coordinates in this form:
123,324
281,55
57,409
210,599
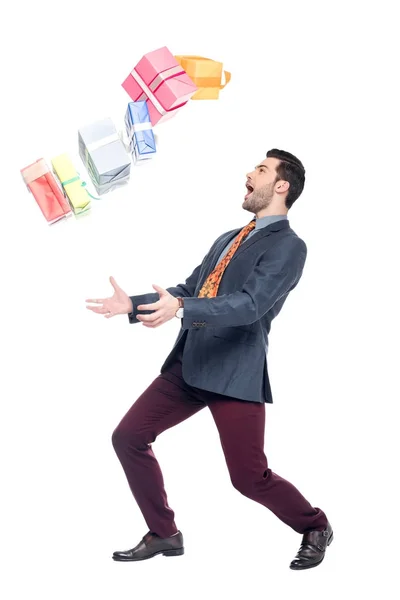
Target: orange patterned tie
210,286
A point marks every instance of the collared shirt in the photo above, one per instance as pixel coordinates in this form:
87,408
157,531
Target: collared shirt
261,222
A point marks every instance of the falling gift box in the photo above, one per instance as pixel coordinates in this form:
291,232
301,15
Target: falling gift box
142,143
161,81
72,184
49,197
104,156
206,74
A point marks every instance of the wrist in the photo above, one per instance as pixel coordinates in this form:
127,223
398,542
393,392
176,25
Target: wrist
179,307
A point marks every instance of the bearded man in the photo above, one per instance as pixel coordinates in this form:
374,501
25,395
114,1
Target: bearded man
219,361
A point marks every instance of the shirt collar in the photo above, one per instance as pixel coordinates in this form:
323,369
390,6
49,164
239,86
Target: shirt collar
268,220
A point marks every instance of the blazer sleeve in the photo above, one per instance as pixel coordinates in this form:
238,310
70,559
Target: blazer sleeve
185,290
182,289
276,273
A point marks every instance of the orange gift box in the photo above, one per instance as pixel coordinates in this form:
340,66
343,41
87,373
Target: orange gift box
206,74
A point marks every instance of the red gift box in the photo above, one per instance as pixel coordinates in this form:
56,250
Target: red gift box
48,195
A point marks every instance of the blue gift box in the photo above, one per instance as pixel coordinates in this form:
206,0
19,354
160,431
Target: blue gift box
142,143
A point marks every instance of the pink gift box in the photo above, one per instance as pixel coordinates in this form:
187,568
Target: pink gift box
159,79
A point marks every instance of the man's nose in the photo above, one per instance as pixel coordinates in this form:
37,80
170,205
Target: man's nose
248,175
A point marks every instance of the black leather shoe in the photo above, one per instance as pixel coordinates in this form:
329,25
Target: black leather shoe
312,549
150,546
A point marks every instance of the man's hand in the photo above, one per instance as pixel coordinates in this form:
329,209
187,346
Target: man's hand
165,308
118,304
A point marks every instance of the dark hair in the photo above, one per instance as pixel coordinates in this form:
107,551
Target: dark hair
289,169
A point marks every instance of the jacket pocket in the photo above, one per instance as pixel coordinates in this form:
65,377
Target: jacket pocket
236,335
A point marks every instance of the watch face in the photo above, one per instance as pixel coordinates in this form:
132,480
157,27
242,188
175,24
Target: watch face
179,313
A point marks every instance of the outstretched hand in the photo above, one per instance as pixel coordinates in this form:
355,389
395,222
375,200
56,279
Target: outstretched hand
118,304
165,309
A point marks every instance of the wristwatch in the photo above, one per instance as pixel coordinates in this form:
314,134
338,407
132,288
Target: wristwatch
179,312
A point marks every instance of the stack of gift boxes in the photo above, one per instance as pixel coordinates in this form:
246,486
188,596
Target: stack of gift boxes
159,86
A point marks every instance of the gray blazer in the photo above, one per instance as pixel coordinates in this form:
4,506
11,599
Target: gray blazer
225,339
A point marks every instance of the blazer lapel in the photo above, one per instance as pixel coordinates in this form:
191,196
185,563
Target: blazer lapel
260,234
230,235
220,246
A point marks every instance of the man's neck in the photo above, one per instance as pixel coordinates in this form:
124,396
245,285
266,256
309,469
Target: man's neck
272,213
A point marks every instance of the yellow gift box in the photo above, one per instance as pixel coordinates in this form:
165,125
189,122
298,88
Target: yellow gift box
206,74
71,182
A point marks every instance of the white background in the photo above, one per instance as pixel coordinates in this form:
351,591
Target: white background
317,80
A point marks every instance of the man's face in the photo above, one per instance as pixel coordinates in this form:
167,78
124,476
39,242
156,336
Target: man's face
260,186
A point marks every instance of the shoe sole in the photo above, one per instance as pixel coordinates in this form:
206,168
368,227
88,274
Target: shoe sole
176,552
294,568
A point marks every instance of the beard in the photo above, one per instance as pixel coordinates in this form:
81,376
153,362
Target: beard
259,199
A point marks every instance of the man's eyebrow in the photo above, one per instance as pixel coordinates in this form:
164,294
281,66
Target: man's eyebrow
259,166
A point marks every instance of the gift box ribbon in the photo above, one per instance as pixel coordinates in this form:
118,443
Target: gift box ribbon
139,127
150,89
83,184
109,139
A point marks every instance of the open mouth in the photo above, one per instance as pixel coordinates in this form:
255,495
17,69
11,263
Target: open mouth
250,189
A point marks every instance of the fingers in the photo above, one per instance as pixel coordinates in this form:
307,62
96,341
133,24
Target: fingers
154,320
114,284
153,306
101,301
101,310
102,306
154,324
159,289
150,318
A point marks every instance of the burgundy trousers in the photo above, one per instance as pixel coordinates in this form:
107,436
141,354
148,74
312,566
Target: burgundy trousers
169,401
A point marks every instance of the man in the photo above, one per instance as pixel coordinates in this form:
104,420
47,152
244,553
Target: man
219,360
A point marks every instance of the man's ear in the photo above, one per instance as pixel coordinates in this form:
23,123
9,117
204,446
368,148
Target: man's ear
282,186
